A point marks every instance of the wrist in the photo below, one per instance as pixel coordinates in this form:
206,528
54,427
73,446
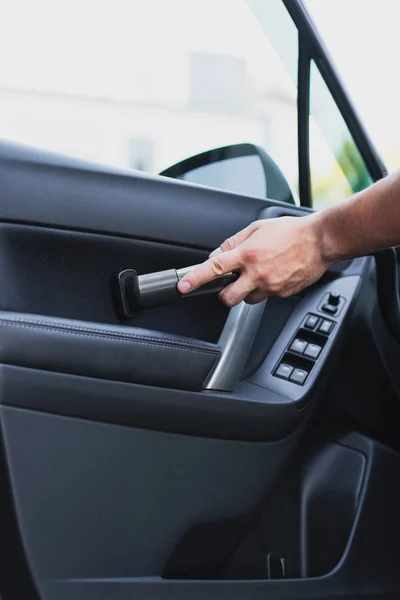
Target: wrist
327,242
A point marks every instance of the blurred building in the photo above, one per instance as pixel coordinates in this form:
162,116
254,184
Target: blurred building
138,125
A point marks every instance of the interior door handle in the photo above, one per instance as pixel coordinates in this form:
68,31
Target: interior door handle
136,293
140,292
236,341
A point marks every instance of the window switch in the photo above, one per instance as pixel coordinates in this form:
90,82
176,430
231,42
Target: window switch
284,371
299,376
311,322
298,346
312,351
326,326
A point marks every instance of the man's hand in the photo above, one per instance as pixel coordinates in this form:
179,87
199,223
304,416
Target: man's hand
276,257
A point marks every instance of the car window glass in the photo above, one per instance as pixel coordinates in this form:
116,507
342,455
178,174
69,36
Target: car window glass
146,84
363,40
337,168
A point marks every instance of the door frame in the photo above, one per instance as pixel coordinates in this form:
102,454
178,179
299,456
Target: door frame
312,47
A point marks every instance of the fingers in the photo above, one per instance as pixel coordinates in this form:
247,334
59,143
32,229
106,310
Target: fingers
237,291
237,239
255,297
213,267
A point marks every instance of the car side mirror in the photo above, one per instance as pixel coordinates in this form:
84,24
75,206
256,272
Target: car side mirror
242,168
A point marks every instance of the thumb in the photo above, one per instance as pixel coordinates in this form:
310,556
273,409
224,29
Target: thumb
237,239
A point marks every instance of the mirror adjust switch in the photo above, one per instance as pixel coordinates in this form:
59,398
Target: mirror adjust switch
284,371
334,299
299,376
332,303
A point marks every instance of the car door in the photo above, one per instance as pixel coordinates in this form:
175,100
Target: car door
175,454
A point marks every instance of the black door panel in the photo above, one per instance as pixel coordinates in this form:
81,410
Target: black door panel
73,195
81,348
247,414
96,492
96,500
116,456
68,274
369,561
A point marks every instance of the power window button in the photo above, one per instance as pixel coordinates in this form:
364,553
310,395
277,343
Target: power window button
298,376
312,351
284,371
298,346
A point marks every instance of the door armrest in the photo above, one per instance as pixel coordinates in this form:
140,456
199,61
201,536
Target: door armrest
105,351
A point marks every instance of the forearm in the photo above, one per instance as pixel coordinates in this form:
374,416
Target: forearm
366,222
283,256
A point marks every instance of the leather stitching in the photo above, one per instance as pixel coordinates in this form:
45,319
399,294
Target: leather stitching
112,337
110,333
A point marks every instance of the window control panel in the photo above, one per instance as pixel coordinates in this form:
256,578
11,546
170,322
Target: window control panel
309,341
304,349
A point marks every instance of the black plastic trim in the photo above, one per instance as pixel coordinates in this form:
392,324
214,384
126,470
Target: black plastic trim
368,568
250,413
16,580
303,124
388,290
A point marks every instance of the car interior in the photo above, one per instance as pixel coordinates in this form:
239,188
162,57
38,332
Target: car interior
172,448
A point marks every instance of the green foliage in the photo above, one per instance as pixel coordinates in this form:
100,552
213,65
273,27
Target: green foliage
348,175
353,166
